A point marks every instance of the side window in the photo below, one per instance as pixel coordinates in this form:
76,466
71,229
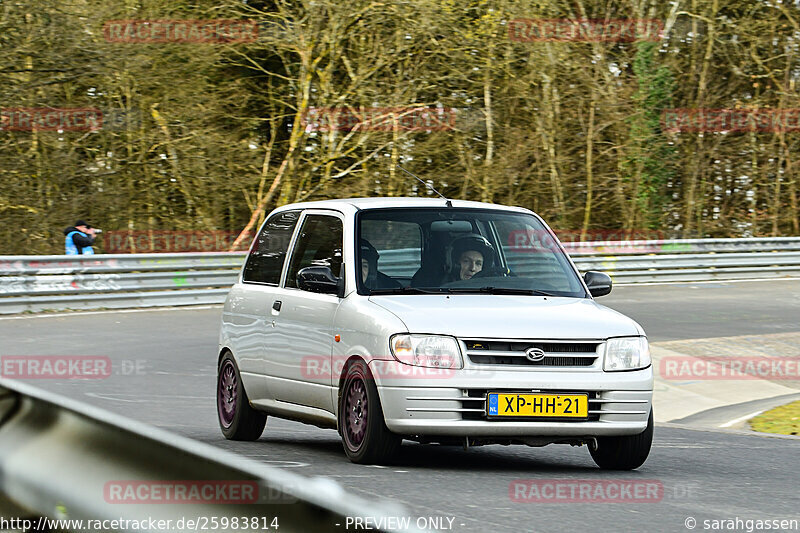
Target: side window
319,244
265,262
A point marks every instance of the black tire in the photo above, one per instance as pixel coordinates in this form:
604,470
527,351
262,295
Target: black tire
624,453
237,418
365,437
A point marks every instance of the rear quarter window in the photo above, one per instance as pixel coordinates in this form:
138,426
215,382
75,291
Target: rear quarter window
268,253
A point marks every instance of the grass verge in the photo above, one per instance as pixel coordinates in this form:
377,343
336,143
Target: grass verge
784,420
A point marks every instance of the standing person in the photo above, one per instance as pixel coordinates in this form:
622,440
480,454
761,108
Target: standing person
79,239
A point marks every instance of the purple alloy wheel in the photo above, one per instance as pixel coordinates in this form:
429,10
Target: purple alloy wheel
226,394
356,413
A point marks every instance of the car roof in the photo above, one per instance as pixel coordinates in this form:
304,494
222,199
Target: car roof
377,203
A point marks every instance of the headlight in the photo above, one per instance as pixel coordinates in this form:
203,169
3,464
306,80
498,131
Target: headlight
426,350
627,353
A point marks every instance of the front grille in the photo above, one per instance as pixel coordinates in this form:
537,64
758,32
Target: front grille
475,400
556,354
471,403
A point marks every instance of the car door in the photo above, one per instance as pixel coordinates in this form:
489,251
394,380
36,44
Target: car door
251,317
305,319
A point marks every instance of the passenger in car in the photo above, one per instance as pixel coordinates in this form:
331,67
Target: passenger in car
369,269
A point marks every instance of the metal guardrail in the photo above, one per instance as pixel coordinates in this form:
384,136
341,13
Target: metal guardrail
59,457
680,246
37,283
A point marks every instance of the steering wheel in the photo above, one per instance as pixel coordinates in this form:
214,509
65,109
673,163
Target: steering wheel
493,272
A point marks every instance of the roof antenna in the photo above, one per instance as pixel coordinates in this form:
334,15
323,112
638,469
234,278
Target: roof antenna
448,203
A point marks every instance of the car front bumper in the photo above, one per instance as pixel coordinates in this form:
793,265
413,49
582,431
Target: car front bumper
454,404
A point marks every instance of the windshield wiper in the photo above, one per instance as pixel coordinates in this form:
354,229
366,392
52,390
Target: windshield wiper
403,290
460,290
500,290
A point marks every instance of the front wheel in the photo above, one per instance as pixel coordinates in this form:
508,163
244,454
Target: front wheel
237,419
365,437
624,453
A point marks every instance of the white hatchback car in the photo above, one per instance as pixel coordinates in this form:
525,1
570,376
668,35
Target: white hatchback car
447,322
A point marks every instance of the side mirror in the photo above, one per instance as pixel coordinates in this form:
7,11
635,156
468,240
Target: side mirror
599,284
320,279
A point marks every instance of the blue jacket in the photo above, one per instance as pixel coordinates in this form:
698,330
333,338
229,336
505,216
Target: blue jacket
77,242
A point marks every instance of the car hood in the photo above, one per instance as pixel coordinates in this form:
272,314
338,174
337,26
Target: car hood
508,317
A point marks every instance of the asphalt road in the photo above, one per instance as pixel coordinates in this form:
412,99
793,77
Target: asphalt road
701,310
164,374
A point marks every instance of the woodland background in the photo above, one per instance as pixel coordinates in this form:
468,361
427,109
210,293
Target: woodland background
213,137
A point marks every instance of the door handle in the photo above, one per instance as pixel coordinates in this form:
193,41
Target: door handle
276,305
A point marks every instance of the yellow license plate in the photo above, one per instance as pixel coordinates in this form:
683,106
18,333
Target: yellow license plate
500,404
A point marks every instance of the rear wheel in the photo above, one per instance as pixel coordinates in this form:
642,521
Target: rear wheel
365,437
237,419
624,453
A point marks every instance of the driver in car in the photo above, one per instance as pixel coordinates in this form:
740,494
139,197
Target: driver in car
469,256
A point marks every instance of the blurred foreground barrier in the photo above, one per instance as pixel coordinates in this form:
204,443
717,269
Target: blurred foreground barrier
36,283
72,467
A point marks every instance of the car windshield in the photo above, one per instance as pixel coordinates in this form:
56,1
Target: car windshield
460,250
